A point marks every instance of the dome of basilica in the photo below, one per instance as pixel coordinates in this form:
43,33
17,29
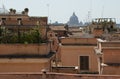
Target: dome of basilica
73,20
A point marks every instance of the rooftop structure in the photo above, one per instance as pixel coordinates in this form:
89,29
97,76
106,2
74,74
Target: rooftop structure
100,26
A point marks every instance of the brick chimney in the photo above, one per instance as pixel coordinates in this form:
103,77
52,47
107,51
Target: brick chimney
12,11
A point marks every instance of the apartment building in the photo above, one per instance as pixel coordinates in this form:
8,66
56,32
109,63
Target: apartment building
108,53
76,55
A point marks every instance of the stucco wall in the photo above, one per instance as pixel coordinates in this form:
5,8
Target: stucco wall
79,41
23,65
70,56
7,49
111,70
111,55
110,44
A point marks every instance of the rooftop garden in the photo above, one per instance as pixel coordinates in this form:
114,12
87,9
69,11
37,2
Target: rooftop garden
32,36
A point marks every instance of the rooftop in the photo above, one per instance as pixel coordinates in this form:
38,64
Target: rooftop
17,56
50,75
57,28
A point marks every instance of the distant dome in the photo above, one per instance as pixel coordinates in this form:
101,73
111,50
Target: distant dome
73,21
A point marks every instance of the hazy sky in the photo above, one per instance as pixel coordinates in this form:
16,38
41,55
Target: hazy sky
61,10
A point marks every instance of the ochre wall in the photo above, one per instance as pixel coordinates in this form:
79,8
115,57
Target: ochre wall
23,65
111,55
89,41
7,49
70,56
111,70
110,44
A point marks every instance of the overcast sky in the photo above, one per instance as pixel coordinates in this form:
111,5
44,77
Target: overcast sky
61,10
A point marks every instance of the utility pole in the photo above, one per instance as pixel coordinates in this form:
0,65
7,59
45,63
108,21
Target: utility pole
48,12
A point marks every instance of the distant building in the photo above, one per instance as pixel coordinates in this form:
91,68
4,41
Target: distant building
101,26
56,23
74,21
59,31
14,21
108,57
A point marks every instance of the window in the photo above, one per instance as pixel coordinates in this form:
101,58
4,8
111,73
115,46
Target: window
19,18
19,21
84,62
3,19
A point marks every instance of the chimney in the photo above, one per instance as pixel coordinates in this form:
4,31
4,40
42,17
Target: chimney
11,11
26,10
23,12
14,11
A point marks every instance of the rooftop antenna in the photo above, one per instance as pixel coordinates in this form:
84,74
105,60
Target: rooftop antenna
48,12
89,16
3,8
91,9
90,12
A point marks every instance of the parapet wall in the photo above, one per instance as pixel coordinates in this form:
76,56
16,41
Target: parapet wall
111,55
79,41
54,76
24,49
110,44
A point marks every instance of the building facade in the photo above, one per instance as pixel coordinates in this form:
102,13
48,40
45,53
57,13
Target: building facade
108,57
22,22
24,57
77,55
